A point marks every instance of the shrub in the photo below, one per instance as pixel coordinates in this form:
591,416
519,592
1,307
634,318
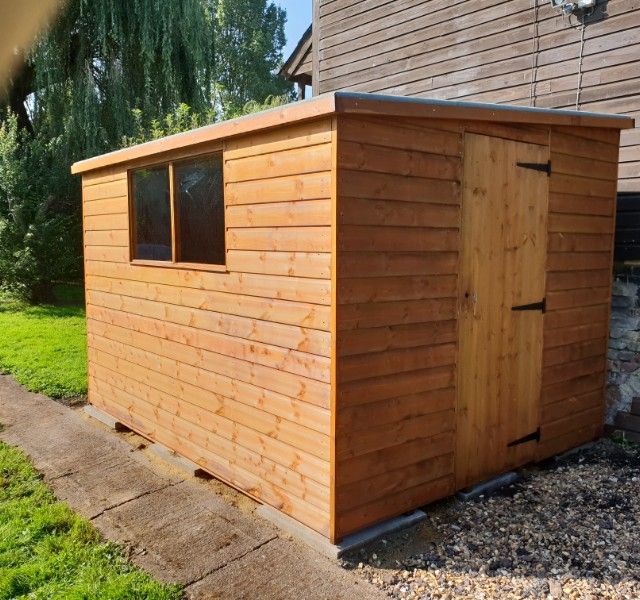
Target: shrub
39,225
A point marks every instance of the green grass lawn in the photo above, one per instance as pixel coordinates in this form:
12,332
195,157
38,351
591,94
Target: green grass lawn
47,551
44,347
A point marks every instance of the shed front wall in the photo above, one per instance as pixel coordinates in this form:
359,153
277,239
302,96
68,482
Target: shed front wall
398,241
230,369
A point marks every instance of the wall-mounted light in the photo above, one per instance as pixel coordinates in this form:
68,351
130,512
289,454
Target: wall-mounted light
566,6
569,7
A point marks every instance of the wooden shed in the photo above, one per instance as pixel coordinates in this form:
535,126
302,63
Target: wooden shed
352,306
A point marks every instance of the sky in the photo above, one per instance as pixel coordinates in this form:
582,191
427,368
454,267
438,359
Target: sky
298,19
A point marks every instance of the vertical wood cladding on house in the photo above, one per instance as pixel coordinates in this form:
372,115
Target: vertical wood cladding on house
512,51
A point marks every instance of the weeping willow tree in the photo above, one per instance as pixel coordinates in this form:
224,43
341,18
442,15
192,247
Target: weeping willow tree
103,72
102,59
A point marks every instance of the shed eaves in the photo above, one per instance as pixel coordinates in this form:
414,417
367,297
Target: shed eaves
354,103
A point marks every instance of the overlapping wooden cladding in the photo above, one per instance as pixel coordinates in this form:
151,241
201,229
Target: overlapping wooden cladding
579,258
514,51
231,369
397,241
397,271
317,373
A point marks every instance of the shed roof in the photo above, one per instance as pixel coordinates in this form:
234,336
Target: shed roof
359,104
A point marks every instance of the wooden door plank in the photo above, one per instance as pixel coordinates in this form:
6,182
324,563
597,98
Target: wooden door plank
503,257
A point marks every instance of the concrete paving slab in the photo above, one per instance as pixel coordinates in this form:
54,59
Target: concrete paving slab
101,486
21,414
183,540
199,494
281,569
55,446
180,529
179,462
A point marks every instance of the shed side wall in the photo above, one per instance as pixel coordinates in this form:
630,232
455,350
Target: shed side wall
582,202
513,51
230,369
397,239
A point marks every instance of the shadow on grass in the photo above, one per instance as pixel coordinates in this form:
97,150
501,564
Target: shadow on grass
68,301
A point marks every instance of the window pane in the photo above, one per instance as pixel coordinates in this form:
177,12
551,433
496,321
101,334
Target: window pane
152,214
200,205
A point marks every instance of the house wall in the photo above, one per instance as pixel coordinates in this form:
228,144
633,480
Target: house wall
398,238
504,51
230,369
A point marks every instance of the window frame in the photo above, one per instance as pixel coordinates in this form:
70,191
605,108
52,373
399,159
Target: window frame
173,263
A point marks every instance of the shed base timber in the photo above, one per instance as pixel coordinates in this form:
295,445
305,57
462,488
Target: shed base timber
348,543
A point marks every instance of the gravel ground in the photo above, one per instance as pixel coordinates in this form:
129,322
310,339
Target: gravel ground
570,529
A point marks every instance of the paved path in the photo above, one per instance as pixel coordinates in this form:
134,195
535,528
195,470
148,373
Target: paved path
179,528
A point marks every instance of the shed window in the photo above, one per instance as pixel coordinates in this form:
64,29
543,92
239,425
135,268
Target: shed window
200,210
178,212
152,214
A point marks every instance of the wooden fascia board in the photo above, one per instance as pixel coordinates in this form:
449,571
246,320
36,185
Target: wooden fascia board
288,114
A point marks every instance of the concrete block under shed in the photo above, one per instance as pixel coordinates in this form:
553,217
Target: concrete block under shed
175,460
488,486
348,543
104,418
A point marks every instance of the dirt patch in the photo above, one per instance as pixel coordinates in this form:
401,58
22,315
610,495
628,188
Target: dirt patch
73,401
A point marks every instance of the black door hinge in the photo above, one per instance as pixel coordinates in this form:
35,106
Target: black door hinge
542,305
543,167
531,437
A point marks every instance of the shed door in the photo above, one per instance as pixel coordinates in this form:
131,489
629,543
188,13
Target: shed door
504,238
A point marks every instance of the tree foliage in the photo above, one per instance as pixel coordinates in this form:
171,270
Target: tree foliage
102,59
114,72
39,233
250,37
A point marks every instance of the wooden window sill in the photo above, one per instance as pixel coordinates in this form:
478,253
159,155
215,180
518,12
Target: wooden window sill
180,265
